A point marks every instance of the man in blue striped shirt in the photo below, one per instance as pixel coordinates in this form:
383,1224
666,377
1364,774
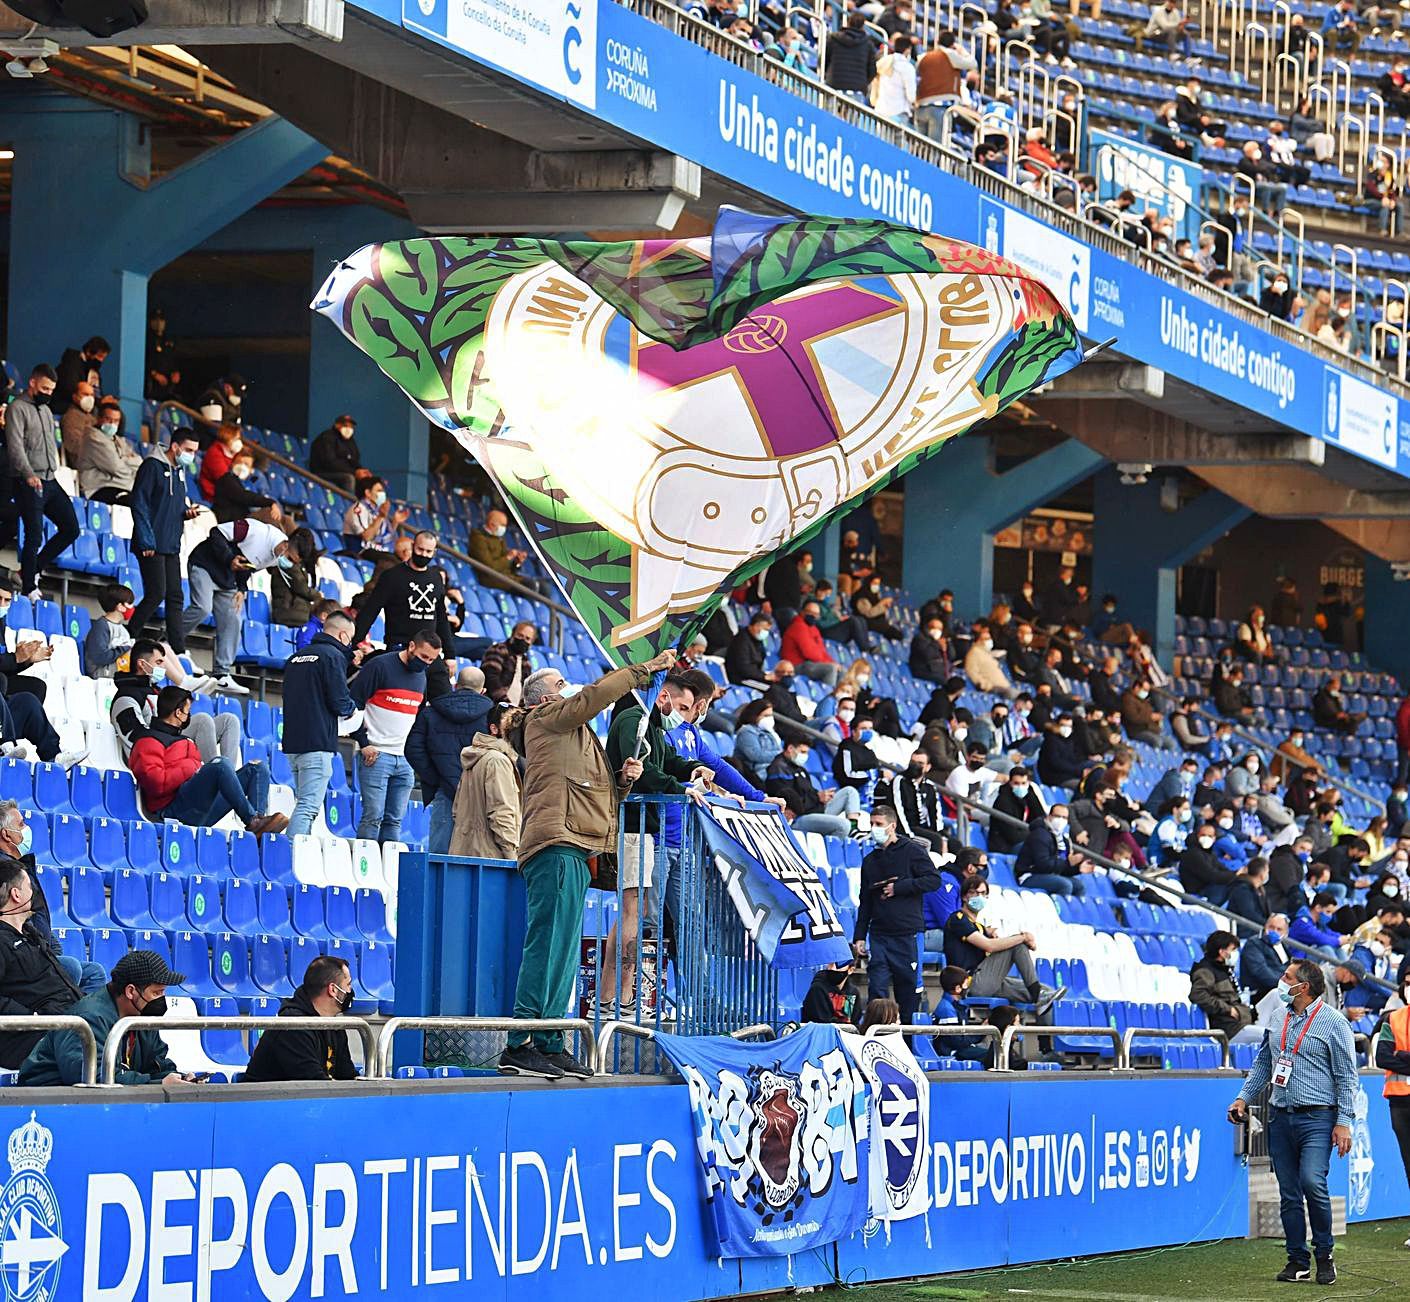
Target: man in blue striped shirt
1311,1064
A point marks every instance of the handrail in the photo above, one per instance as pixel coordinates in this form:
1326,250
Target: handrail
1181,1033
383,1046
1156,880
113,1046
500,580
60,1022
1011,1033
613,1028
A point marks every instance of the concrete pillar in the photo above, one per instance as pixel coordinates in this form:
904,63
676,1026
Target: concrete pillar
955,504
1139,548
87,231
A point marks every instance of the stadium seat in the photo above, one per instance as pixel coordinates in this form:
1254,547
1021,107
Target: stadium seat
213,851
120,795
308,912
68,843
203,904
86,791
272,906
226,1047
178,848
107,945
270,965
168,901
371,912
277,858
87,898
366,866
230,964
131,902
241,906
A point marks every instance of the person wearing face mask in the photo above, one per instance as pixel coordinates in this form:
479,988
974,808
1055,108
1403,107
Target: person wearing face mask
780,695
1291,758
444,728
974,779
318,709
233,499
929,659
136,988
1392,1056
1047,860
1312,924
1230,848
411,596
744,657
868,602
173,782
1200,870
80,370
1018,798
804,647
224,402
487,546
108,637
335,456
1287,866
31,435
77,423
757,743
1308,1057
1172,832
1248,897
989,958
1265,958
835,625
940,708
326,991
107,463
896,876
1213,988
982,667
228,442
830,999
390,689
916,800
507,664
1376,957
856,764
1142,721
370,524
1244,777
1060,761
837,721
1174,783
160,509
150,665
829,812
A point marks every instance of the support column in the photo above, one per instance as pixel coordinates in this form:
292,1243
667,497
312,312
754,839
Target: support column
86,237
392,433
955,504
1387,603
1139,549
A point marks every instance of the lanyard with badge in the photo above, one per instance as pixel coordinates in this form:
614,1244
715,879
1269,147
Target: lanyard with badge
1282,1070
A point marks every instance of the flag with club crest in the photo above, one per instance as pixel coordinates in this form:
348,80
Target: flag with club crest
665,416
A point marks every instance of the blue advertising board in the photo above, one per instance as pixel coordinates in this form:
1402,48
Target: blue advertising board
547,1193
673,94
1373,1177
1169,185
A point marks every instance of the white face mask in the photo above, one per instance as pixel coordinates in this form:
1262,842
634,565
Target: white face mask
568,690
1226,823
1058,825
959,734
241,471
1065,730
85,403
236,445
1376,948
1020,789
846,715
235,399
1285,992
801,759
880,835
766,722
1205,842
672,720
497,532
1391,889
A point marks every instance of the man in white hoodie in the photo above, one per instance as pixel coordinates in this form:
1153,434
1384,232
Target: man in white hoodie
896,83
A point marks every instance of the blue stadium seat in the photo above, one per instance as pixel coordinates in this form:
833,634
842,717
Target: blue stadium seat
86,791
223,1046
272,909
68,843
371,912
120,795
51,789
302,952
213,851
244,854
77,622
241,906
337,809
270,965
106,945
230,964
375,971
108,842
190,955
72,941
143,846
178,844
17,782
340,915
51,886
277,858
309,919
168,896
87,899
131,901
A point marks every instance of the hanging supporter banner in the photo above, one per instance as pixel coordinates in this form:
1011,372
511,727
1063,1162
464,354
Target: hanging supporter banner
782,902
900,1125
782,1136
665,416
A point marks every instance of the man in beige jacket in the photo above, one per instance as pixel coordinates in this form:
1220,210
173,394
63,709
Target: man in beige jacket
982,666
486,813
570,799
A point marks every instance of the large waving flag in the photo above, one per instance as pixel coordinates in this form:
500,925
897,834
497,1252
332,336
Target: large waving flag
664,416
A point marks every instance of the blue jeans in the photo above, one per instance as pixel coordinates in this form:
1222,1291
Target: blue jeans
313,771
205,597
1054,884
1300,1145
442,824
891,960
88,977
217,788
386,787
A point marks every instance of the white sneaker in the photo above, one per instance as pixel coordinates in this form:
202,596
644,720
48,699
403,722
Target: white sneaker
228,685
34,594
66,759
20,750
199,684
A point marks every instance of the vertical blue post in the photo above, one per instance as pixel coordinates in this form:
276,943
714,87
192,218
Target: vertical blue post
1387,603
1139,549
956,503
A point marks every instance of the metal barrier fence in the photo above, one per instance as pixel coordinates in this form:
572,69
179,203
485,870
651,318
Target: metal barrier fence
60,1022
1134,1033
380,1064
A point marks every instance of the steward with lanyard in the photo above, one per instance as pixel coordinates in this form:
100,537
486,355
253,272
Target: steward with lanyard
1311,1065
1393,1058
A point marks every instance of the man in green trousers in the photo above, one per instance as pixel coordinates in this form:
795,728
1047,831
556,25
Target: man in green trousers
569,800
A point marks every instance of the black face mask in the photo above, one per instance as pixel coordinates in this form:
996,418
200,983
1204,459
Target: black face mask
153,1008
786,680
418,562
43,399
519,646
916,772
974,765
810,619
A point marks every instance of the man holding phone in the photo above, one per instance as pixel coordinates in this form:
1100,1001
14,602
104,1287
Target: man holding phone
1310,1062
896,877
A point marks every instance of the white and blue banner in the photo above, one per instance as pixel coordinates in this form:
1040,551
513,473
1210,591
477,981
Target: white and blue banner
781,901
1159,180
900,1124
782,1137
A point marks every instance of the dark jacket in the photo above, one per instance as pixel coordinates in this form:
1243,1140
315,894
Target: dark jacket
1285,874
411,599
903,913
233,501
1260,967
663,772
158,505
442,730
744,658
1004,839
786,711
1060,760
927,659
783,585
786,780
500,664
1212,989
1230,699
851,60
1040,853
316,696
1248,902
291,596
302,1055
58,1057
31,981
854,765
917,803
1199,870
827,1001
331,453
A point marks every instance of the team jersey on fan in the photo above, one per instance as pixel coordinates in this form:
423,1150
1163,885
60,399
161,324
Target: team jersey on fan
390,695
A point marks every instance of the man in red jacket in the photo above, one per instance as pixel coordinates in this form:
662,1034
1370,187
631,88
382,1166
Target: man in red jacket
803,646
175,784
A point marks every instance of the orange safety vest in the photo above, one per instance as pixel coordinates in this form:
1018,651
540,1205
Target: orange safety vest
1399,1086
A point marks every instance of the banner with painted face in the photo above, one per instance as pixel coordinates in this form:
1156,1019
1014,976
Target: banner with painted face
665,416
900,1124
782,1137
782,902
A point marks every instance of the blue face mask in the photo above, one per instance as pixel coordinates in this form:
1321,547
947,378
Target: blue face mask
284,563
865,735
26,840
1304,856
1274,937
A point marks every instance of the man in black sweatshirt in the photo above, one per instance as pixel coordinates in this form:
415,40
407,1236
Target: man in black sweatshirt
411,596
327,991
896,876
1201,873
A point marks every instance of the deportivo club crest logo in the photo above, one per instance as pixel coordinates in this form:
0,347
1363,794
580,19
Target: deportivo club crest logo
31,1242
901,1121
1362,1165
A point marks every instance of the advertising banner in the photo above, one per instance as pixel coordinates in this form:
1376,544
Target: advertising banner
1159,180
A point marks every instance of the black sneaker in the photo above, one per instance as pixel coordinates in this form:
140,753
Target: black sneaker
1295,1272
1326,1271
528,1061
568,1065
